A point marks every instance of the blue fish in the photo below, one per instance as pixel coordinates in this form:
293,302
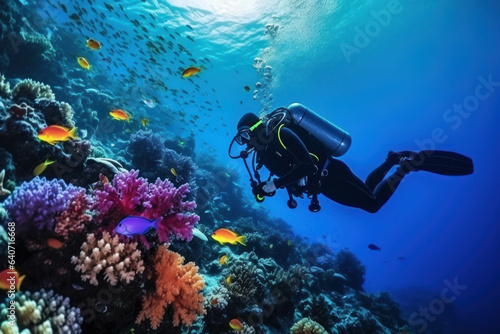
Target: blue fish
132,225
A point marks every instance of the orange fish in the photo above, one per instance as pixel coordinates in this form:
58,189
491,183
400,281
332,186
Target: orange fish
214,301
83,63
224,236
8,276
224,260
120,115
54,243
56,133
236,325
190,71
93,44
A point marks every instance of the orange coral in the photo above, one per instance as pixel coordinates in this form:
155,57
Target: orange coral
178,285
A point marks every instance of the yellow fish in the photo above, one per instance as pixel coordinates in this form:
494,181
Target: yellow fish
224,260
224,235
229,279
144,121
83,63
190,71
41,167
174,173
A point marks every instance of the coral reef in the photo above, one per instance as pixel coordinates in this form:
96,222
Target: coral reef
118,261
176,285
35,204
347,264
146,149
307,326
75,217
30,90
5,91
129,195
55,113
42,312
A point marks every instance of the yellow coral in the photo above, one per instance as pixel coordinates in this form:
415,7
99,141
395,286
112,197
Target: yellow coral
307,326
32,90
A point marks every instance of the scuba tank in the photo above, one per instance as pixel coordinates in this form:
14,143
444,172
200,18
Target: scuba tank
315,131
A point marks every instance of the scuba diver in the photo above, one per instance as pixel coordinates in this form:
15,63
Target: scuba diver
299,147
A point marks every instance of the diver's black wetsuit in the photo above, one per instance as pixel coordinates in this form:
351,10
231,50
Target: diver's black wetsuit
287,157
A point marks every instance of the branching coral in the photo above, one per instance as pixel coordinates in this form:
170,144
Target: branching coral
176,284
307,326
31,90
42,312
4,88
73,219
129,195
117,260
35,204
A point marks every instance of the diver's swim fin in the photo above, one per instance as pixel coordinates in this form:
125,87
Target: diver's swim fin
439,162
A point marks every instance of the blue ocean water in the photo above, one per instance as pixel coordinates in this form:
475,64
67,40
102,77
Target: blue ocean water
397,75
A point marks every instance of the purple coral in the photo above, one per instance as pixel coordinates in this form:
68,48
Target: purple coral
130,195
35,204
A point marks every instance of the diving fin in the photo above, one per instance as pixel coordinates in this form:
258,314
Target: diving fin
439,162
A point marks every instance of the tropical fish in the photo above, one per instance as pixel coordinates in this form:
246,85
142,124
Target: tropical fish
174,173
214,301
229,279
132,225
144,121
83,63
236,325
54,243
41,167
374,247
149,103
246,88
224,260
120,115
56,133
190,71
224,235
93,44
271,246
289,242
9,276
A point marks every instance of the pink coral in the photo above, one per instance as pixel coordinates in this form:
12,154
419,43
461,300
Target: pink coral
75,217
177,285
119,261
130,195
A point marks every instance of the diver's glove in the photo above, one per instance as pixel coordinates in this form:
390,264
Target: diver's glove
269,187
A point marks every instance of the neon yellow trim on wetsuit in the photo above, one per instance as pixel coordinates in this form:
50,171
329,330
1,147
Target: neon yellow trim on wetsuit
255,125
314,155
259,197
279,136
